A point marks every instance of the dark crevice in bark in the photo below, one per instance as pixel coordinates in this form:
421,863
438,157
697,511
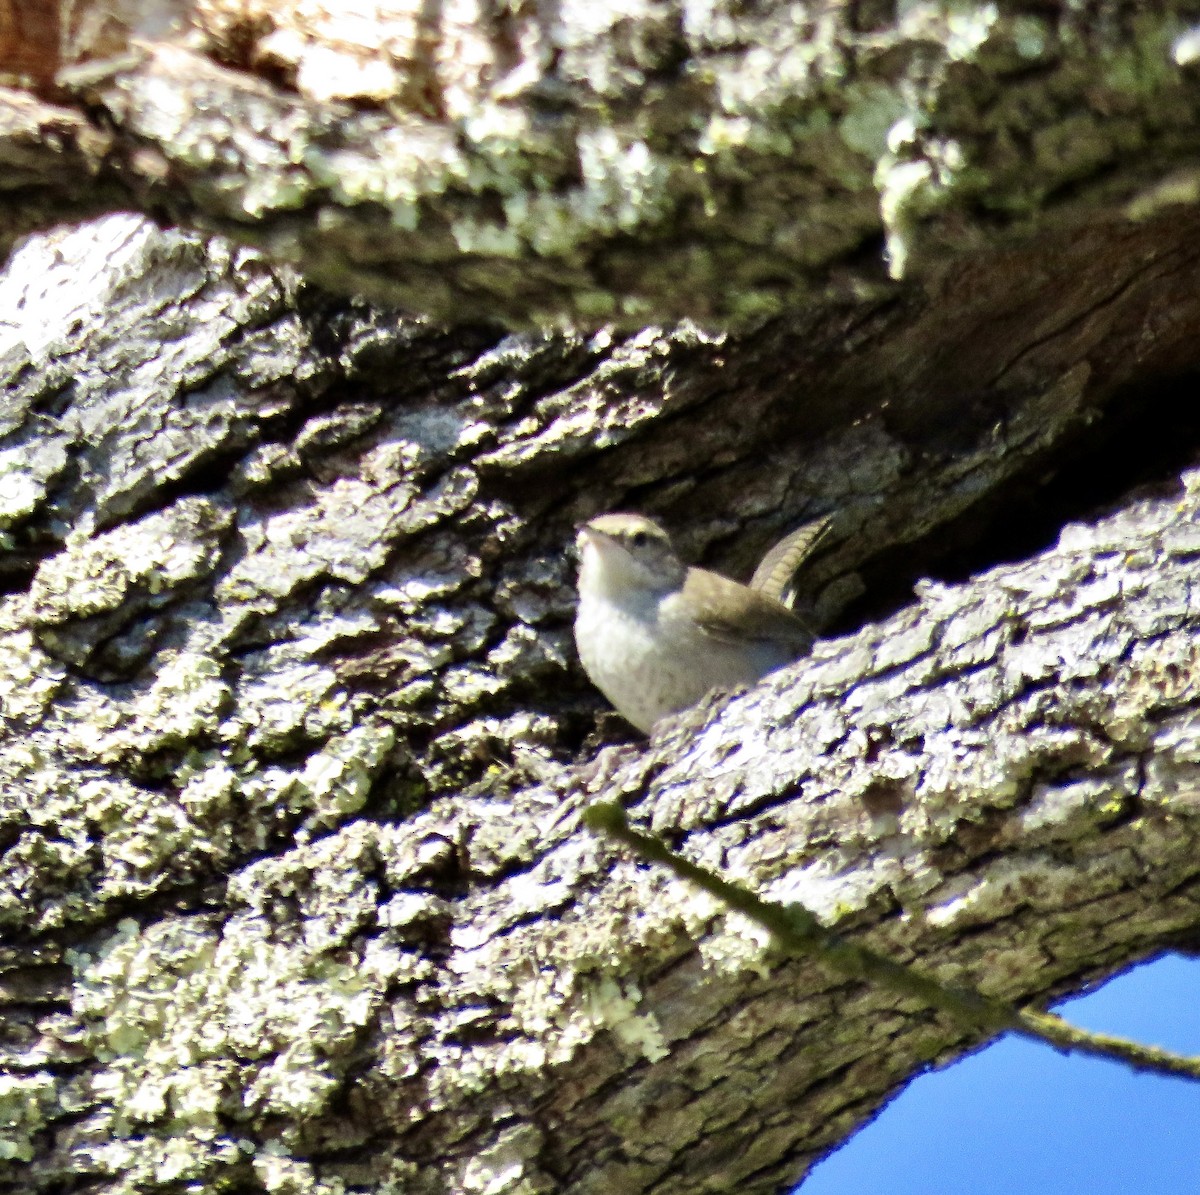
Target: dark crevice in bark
1123,453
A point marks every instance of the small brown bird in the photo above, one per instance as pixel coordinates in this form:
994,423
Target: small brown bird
655,635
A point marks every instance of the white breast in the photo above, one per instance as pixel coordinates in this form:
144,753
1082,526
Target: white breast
649,659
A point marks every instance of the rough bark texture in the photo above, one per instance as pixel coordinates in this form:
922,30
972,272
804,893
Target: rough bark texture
294,894
294,889
635,162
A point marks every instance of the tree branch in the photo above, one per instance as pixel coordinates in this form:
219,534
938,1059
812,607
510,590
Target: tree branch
285,632
795,928
542,169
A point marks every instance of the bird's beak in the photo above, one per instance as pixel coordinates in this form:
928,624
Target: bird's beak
589,536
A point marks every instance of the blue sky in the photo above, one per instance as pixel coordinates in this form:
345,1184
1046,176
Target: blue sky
1020,1119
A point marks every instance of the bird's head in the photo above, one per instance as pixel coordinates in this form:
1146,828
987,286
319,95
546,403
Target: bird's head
628,552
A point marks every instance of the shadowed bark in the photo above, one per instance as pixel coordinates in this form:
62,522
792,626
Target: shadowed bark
294,893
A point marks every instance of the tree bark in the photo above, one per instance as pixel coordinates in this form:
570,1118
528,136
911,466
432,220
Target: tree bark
295,890
542,164
295,894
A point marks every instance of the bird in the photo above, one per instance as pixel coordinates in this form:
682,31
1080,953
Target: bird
656,636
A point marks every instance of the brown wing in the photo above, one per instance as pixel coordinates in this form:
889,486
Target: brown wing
779,565
735,613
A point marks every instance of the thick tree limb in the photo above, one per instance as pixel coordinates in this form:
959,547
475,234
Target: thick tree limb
284,639
294,892
792,927
535,165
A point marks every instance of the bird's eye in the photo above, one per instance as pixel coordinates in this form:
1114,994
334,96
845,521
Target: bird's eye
639,539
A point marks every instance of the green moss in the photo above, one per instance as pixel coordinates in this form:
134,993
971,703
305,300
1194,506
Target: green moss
1143,66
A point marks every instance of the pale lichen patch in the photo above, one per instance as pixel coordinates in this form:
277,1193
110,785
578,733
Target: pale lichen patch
184,702
151,558
616,1007
26,1104
170,1007
338,777
29,679
1001,889
505,1166
282,699
26,473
